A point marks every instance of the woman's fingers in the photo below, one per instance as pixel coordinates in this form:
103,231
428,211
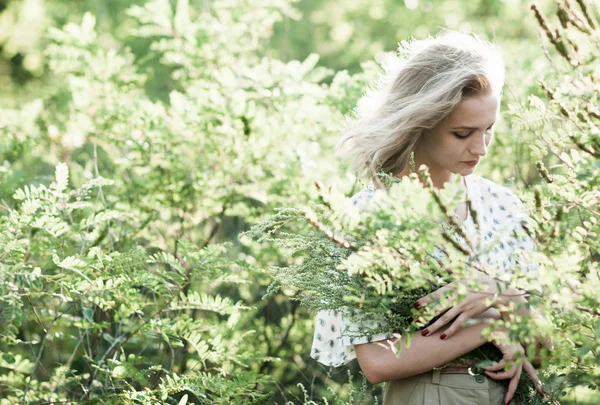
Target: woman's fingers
514,374
444,319
456,325
512,386
505,375
495,367
428,299
528,367
499,376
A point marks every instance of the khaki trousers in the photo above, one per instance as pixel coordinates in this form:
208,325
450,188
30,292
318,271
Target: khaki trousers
433,388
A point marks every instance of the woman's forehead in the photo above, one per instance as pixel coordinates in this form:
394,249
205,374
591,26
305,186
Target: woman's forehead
475,111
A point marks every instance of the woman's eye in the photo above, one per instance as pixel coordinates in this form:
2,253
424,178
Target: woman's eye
461,136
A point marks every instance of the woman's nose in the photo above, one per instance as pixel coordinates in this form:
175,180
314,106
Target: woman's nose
479,146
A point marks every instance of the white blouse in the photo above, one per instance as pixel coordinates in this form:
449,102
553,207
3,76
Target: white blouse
499,212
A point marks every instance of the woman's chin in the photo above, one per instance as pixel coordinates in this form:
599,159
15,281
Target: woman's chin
465,171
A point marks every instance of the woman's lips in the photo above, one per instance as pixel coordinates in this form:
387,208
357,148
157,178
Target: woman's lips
472,163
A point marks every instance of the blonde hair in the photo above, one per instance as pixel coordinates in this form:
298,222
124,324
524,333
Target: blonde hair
422,84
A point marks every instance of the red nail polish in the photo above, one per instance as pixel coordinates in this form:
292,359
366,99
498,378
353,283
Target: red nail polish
425,332
443,336
417,305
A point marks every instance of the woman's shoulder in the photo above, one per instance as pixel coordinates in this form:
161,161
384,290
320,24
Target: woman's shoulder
491,190
501,200
362,198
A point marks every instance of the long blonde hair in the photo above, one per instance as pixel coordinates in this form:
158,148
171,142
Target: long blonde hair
423,82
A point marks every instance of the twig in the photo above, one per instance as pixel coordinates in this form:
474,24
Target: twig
37,360
338,240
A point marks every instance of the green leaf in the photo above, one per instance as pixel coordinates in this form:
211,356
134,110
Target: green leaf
9,358
69,263
119,372
182,15
583,350
88,314
309,63
61,176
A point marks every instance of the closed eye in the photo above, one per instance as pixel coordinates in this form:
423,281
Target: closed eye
461,136
468,134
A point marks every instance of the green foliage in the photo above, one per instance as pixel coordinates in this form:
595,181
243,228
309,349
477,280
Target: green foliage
169,153
141,137
103,306
122,288
566,213
365,28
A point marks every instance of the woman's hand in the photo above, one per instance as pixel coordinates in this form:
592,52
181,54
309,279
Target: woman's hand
472,306
513,353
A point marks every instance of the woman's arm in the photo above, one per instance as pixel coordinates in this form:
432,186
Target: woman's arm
379,364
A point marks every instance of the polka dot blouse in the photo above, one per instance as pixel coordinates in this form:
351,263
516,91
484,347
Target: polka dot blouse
500,214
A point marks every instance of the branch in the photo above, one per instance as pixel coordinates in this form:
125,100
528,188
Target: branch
321,227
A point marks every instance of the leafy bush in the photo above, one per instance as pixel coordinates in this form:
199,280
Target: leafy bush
129,285
158,132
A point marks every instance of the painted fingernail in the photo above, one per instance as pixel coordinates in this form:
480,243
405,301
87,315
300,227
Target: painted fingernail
417,305
425,332
443,336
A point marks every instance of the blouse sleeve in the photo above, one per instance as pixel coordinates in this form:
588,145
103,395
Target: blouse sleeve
335,335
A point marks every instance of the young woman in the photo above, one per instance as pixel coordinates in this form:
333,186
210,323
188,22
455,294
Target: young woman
438,105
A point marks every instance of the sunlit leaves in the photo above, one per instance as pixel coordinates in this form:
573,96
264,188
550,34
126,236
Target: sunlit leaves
204,302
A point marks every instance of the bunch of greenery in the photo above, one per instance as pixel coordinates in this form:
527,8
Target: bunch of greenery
372,260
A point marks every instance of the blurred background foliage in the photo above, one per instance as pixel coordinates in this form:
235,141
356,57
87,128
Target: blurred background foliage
209,114
344,35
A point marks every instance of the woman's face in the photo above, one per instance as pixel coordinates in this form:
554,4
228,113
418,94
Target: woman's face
460,141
